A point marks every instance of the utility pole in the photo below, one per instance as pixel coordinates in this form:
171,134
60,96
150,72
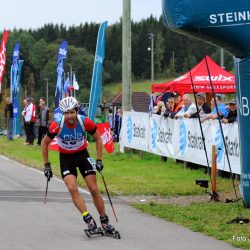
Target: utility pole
151,37
173,65
222,58
47,91
126,55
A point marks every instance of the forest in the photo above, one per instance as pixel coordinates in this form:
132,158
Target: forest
39,49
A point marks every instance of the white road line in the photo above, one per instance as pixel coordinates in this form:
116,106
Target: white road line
81,190
32,197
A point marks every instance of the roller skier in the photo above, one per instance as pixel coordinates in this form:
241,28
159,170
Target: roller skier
70,130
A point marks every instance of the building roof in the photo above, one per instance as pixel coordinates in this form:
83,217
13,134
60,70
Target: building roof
140,101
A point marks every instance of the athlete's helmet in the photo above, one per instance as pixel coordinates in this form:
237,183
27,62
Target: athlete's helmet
68,103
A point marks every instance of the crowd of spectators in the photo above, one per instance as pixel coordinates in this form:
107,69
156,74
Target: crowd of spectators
178,106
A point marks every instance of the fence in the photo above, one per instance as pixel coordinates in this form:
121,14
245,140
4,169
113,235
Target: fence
181,139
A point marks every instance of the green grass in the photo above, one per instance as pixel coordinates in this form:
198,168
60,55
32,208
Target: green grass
208,218
126,174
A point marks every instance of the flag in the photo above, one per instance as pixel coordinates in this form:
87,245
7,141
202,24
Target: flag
107,136
66,85
62,54
3,56
15,88
14,73
96,83
75,83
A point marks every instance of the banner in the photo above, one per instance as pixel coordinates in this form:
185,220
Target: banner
66,85
181,139
16,69
62,54
107,136
96,84
14,88
3,56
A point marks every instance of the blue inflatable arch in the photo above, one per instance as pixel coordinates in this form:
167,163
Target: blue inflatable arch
225,23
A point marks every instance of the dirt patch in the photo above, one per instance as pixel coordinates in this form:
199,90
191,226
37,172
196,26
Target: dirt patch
178,200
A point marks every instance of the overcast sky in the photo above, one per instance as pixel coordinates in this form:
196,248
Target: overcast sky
35,13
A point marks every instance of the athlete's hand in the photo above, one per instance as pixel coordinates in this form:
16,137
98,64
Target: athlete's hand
48,171
99,166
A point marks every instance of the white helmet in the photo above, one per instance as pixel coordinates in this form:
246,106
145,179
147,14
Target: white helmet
68,103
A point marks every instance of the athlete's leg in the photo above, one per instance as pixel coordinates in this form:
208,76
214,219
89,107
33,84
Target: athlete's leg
93,189
71,183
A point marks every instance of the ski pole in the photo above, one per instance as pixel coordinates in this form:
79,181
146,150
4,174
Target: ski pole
46,191
108,196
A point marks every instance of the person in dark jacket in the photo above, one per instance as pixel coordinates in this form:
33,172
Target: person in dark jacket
9,118
203,107
232,115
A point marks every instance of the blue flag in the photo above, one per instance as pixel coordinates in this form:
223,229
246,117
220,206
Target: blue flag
96,83
66,85
62,54
14,73
15,89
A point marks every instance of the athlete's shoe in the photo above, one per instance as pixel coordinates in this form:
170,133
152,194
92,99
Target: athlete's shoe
107,227
89,220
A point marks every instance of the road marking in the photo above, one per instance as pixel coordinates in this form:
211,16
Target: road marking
81,190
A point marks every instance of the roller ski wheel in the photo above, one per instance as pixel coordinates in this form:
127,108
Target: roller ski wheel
115,234
90,232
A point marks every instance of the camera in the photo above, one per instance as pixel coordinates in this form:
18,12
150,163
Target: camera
202,183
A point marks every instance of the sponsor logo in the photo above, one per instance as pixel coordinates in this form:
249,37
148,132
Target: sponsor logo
154,133
214,78
129,129
183,140
63,52
195,141
230,18
99,59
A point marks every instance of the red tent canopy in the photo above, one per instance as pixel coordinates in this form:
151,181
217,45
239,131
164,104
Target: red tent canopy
223,81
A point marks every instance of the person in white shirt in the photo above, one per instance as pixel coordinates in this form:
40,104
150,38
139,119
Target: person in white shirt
188,109
30,119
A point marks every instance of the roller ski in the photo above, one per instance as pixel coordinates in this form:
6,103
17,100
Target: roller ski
92,227
108,229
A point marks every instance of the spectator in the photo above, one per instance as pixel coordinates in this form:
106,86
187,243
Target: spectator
110,118
117,124
189,108
161,108
169,106
9,118
81,109
25,104
222,109
178,104
44,120
232,115
155,109
30,119
203,107
152,102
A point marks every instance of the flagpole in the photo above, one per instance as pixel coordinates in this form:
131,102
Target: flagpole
73,86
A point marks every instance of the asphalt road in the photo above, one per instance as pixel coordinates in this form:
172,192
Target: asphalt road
26,223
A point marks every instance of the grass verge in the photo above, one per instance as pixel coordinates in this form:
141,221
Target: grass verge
208,218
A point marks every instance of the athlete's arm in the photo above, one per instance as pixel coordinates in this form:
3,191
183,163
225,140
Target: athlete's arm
53,130
98,141
45,148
